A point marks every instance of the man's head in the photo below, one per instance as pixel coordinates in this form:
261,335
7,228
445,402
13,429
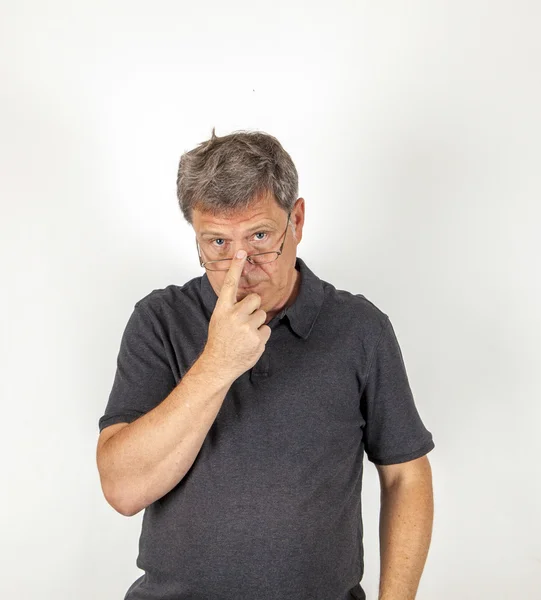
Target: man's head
237,191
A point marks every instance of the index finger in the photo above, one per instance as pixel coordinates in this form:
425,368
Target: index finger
230,286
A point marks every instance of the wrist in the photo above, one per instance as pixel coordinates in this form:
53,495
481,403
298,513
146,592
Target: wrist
208,364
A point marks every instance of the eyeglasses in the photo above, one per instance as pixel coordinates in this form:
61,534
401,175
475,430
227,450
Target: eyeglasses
223,264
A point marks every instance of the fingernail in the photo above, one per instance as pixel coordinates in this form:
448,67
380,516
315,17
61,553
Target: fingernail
241,253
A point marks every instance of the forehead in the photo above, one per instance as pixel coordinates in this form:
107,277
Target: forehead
256,217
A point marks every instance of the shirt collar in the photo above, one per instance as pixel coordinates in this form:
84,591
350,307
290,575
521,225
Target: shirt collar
302,313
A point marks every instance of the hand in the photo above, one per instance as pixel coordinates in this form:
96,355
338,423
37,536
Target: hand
237,333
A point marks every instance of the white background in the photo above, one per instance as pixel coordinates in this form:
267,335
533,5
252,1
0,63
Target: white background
415,127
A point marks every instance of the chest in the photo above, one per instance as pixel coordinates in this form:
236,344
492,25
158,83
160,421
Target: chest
298,405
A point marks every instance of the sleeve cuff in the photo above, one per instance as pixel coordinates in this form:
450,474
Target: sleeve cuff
401,458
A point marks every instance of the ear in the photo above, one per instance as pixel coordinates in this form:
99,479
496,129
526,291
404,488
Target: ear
297,218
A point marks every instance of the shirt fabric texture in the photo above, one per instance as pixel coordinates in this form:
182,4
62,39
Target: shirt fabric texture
271,507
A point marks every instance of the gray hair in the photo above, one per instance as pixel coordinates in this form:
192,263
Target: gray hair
224,175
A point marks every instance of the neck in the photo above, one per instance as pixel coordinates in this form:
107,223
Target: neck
292,293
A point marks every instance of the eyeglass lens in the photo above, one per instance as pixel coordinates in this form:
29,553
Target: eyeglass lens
223,265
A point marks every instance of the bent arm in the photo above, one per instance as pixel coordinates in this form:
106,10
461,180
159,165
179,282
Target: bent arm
147,458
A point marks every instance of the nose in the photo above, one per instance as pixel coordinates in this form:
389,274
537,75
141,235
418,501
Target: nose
240,246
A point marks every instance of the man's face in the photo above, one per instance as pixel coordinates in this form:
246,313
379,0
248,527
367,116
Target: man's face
261,228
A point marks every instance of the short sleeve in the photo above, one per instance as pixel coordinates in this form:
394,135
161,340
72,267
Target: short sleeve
393,429
143,376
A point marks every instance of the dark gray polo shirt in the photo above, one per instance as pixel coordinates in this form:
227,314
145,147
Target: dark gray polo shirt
271,507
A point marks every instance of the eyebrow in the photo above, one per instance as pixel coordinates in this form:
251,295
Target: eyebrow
263,225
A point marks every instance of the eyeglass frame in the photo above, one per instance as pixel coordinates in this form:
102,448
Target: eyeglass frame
202,264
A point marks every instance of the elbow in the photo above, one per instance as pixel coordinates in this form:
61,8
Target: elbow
116,496
130,510
123,507
120,502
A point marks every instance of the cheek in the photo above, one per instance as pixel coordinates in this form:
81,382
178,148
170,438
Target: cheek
277,284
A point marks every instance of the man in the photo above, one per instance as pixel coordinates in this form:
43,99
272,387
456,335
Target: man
243,403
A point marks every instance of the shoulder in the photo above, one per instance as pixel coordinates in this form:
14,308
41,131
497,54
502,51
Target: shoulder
355,310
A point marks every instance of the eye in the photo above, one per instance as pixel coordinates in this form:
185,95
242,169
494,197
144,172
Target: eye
211,241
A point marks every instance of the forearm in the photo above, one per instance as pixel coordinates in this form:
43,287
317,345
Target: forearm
147,458
405,530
